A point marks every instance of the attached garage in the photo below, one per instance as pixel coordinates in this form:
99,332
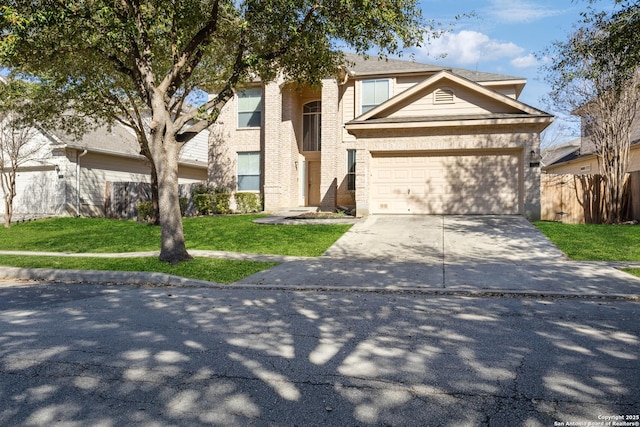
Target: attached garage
467,182
474,151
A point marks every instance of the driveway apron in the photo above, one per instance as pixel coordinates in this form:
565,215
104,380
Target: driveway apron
466,253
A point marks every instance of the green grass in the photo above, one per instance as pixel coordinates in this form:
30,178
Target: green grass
634,271
240,234
595,242
213,270
235,233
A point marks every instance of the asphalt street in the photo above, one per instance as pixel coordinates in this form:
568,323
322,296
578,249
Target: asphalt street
99,355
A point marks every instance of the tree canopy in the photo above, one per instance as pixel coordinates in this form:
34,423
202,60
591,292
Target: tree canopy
118,59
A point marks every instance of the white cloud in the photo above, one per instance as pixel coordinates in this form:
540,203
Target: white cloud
470,47
518,11
528,61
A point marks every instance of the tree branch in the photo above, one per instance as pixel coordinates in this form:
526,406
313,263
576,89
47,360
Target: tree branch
185,64
215,105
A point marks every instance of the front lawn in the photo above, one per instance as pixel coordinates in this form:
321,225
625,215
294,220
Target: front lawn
594,242
212,270
235,233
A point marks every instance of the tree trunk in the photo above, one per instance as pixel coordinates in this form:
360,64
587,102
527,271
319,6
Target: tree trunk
155,216
9,190
8,211
172,246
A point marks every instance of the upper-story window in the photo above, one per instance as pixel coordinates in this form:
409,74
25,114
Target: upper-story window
311,130
374,92
250,108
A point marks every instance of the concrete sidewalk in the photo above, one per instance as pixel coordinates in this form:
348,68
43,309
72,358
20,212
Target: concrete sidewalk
428,254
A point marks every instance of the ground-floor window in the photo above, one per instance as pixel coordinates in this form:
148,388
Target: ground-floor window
351,170
249,171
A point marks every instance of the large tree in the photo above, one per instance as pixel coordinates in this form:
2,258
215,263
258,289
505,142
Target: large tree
154,53
594,74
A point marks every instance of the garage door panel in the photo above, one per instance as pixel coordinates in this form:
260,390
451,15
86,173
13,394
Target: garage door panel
470,184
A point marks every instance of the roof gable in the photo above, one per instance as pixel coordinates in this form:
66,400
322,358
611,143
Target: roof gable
431,98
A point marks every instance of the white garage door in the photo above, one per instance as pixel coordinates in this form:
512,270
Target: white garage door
441,184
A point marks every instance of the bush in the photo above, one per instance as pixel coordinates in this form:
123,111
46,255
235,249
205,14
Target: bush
221,190
248,202
201,189
202,203
220,203
145,211
208,200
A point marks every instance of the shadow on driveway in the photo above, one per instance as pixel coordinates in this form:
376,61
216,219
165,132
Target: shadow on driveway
448,252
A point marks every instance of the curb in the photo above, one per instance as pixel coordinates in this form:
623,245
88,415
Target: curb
168,280
195,252
103,277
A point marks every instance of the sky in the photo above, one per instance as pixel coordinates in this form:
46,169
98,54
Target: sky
506,37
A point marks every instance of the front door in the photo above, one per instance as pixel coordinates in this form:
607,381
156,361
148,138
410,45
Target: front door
313,184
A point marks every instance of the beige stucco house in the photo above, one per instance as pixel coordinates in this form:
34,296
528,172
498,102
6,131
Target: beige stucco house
387,137
584,161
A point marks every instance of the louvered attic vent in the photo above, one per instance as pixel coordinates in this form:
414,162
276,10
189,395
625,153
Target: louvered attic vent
443,96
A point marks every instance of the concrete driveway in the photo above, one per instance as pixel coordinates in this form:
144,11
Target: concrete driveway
466,253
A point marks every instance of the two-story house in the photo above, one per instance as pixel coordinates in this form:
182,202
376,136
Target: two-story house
583,159
386,137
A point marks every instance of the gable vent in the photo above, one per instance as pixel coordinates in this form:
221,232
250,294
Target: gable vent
443,96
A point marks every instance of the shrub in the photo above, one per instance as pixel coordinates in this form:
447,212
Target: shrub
145,211
248,202
201,189
221,190
202,203
220,203
208,200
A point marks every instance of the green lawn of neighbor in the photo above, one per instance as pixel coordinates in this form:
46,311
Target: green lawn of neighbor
596,242
234,233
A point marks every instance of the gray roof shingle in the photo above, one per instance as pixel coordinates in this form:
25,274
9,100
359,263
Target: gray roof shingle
360,66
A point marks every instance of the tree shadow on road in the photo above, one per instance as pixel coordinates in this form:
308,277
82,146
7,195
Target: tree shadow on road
162,356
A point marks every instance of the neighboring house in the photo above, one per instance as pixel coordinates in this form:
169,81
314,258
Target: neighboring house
576,198
554,153
584,161
71,176
387,137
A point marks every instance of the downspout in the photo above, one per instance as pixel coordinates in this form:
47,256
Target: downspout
78,155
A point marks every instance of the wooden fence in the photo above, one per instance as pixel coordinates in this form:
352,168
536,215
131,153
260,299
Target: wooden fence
577,199
122,198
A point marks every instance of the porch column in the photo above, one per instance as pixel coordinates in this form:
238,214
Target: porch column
329,157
